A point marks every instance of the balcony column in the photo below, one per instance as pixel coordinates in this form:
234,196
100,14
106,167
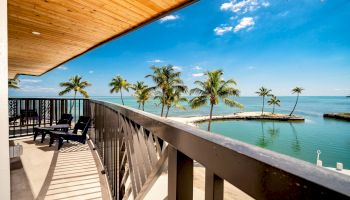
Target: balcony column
5,192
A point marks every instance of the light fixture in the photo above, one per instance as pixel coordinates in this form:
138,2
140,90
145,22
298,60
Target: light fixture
35,33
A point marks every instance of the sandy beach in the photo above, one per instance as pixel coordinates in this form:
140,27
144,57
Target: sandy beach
239,116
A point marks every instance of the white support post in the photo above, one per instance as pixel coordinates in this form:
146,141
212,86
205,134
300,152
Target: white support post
5,192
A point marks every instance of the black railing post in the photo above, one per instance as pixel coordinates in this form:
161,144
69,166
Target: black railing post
51,111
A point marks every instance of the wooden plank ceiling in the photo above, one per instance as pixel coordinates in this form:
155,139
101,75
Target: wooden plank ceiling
69,28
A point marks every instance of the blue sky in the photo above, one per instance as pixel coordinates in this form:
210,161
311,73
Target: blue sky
278,44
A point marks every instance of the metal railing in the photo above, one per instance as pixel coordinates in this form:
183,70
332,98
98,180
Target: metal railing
136,147
26,113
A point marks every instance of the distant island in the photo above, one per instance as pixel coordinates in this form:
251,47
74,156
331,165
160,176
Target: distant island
343,116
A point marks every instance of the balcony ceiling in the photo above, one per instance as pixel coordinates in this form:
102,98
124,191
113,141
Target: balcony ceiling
44,34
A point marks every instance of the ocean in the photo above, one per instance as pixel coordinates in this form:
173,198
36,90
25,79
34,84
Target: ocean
297,139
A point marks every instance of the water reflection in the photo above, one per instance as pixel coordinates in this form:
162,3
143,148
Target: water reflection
296,147
263,141
273,133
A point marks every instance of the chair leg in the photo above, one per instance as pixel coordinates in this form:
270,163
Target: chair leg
35,134
51,140
60,143
43,135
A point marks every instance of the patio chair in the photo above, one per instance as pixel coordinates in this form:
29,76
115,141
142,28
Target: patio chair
28,115
78,134
62,124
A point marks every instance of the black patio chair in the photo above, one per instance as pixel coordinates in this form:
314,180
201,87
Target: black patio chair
62,124
82,125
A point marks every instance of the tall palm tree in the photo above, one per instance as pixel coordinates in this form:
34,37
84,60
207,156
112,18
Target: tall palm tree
274,101
298,91
165,77
76,85
174,98
13,83
118,83
144,97
263,92
138,87
212,89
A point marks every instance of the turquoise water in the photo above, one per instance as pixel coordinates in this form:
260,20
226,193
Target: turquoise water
299,139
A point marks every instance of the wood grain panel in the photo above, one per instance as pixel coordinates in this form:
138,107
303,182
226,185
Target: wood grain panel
68,28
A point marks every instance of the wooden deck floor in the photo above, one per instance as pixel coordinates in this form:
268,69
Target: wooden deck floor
71,173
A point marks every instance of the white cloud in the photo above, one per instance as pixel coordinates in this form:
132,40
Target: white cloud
155,61
30,81
250,67
91,72
198,75
169,18
244,23
37,89
221,30
244,5
265,4
197,68
178,68
63,67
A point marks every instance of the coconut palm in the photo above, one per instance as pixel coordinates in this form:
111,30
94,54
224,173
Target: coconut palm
298,91
263,92
165,77
174,98
118,83
274,101
211,90
142,93
76,85
13,83
138,87
144,96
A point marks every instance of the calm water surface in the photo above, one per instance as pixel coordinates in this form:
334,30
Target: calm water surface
298,139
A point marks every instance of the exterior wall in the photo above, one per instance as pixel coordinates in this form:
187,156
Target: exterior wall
4,132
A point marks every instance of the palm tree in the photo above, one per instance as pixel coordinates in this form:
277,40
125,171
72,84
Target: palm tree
263,92
274,101
13,83
138,87
297,90
76,85
118,83
174,98
165,77
144,96
212,89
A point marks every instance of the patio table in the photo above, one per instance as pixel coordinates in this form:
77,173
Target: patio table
45,130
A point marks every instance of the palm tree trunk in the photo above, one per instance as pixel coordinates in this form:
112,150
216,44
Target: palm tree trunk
71,106
161,114
167,111
273,110
295,105
262,110
121,96
139,106
210,116
163,97
143,106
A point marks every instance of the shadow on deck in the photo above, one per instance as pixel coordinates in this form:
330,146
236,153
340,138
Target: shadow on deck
42,172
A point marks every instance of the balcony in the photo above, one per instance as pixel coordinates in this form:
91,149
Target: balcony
132,154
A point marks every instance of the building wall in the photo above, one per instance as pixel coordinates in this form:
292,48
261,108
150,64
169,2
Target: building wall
4,131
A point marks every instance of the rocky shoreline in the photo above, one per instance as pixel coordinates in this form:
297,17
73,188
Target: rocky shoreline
342,116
